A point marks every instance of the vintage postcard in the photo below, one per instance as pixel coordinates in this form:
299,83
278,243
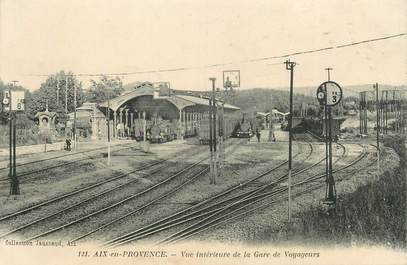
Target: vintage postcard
203,132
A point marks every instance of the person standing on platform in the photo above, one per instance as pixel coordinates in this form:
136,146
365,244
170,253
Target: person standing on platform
258,135
68,144
272,136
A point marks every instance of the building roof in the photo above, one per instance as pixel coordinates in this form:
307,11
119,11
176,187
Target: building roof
147,89
204,101
273,111
46,113
88,110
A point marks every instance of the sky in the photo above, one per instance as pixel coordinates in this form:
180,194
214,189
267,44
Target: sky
116,36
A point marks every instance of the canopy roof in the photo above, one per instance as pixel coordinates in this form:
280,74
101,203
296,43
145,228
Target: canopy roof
147,89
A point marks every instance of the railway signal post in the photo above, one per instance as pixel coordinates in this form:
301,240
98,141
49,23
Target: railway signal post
213,134
231,79
290,66
329,94
13,102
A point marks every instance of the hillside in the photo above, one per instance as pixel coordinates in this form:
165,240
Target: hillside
348,91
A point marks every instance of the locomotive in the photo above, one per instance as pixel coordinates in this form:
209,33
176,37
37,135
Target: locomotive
243,130
160,132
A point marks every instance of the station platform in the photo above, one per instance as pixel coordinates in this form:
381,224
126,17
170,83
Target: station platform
58,146
281,136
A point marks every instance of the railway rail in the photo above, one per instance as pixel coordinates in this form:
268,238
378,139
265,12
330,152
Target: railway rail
78,191
221,195
240,208
65,154
28,175
178,219
93,197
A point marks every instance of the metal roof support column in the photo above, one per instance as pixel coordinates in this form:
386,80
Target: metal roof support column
114,124
131,121
126,124
180,125
121,122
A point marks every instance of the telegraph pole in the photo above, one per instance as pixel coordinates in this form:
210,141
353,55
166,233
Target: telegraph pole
57,91
290,66
108,128
210,142
66,106
74,114
329,69
376,86
327,113
214,134
66,94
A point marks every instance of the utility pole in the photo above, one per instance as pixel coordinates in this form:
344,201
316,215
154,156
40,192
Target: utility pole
376,86
66,94
214,134
74,115
57,91
329,69
210,142
108,128
386,110
290,66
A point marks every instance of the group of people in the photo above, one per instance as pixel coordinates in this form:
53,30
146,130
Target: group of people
271,137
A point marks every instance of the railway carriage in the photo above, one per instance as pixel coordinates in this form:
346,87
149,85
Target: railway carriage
317,126
203,129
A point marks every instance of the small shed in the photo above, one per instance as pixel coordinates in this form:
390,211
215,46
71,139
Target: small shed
46,119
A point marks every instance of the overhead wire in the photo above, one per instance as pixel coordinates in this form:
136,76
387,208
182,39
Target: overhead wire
178,69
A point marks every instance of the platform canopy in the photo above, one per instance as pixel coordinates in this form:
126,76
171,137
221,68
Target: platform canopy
147,89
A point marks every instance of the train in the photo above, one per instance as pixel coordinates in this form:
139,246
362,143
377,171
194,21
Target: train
156,131
243,129
160,132
203,132
316,126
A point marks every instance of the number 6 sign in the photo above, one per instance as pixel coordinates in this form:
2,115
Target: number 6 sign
329,93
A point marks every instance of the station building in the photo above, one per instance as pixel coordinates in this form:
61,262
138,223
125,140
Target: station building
151,103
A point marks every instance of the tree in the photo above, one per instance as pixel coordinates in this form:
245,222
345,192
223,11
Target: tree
65,82
99,89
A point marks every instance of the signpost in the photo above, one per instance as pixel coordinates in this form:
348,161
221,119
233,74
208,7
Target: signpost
329,94
231,78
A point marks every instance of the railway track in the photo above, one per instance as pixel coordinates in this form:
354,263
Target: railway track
94,197
90,187
122,205
30,174
199,214
250,204
65,154
196,208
